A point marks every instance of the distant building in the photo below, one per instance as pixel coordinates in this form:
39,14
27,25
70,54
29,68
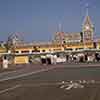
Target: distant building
86,34
66,42
59,37
72,37
88,30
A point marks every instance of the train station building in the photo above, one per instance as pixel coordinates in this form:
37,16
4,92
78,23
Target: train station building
62,42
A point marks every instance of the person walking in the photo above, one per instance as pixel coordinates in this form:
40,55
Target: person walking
5,62
48,58
55,59
43,59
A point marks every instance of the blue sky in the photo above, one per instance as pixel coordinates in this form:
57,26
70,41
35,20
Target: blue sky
39,19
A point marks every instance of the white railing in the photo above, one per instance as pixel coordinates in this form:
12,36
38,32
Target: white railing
49,52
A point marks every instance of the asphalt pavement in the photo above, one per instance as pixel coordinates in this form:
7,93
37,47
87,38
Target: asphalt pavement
43,82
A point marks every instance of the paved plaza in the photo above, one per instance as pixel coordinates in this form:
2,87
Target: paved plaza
47,84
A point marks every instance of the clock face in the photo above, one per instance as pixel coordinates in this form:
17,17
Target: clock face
87,27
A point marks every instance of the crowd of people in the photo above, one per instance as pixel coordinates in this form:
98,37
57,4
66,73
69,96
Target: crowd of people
83,57
71,58
65,58
48,59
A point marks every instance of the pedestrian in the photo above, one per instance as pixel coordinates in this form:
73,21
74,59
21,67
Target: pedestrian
67,58
5,63
86,57
1,61
43,59
55,59
52,60
48,58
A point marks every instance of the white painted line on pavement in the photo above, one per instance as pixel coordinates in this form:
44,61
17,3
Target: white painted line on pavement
9,89
26,74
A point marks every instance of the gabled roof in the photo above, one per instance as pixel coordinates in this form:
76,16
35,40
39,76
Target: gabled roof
87,21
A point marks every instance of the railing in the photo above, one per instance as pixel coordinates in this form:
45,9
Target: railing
82,50
49,52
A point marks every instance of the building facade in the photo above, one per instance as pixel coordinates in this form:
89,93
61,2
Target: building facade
88,30
86,34
62,42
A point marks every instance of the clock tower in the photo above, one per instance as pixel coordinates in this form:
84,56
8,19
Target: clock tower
87,29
